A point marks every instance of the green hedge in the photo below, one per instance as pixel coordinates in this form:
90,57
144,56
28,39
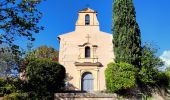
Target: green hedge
120,77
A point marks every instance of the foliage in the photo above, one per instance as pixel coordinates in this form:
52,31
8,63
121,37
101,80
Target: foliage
10,85
45,76
163,80
2,83
150,63
8,88
44,52
168,71
19,18
9,61
126,33
120,77
128,49
16,96
14,88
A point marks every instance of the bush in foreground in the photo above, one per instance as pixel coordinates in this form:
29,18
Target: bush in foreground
16,96
45,76
120,77
9,85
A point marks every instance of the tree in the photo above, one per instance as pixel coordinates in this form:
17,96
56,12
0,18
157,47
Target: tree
127,48
19,18
44,52
150,63
45,77
126,33
9,61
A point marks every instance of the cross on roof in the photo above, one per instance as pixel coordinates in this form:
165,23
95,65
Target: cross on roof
88,38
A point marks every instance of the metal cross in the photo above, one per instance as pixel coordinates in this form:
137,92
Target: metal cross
88,38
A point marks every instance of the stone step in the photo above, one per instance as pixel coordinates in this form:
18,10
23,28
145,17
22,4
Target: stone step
84,96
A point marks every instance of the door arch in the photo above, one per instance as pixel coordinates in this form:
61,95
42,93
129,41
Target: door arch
87,82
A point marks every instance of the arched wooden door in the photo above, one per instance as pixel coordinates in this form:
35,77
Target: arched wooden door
87,82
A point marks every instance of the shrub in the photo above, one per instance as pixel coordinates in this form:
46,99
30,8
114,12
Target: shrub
8,86
120,77
45,76
163,79
1,81
16,96
1,84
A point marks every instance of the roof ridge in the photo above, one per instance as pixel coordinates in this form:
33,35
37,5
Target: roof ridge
87,10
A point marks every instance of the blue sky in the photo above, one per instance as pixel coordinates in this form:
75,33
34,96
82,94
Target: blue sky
153,17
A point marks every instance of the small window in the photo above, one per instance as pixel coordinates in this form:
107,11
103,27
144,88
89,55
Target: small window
87,52
87,20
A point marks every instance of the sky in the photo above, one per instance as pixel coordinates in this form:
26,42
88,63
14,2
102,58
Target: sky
59,16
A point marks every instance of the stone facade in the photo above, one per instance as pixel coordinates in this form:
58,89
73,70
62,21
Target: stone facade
73,51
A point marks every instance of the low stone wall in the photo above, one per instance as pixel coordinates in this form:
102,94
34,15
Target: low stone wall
84,96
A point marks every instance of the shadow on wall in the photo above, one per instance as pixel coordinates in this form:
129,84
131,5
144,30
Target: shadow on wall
69,86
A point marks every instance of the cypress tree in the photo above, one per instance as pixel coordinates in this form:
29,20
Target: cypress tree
126,33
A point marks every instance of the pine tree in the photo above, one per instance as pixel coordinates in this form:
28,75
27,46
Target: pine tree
126,33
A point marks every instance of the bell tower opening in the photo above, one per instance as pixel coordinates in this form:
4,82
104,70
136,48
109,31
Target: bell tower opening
87,19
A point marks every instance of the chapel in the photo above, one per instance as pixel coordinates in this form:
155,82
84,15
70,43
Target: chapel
85,53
